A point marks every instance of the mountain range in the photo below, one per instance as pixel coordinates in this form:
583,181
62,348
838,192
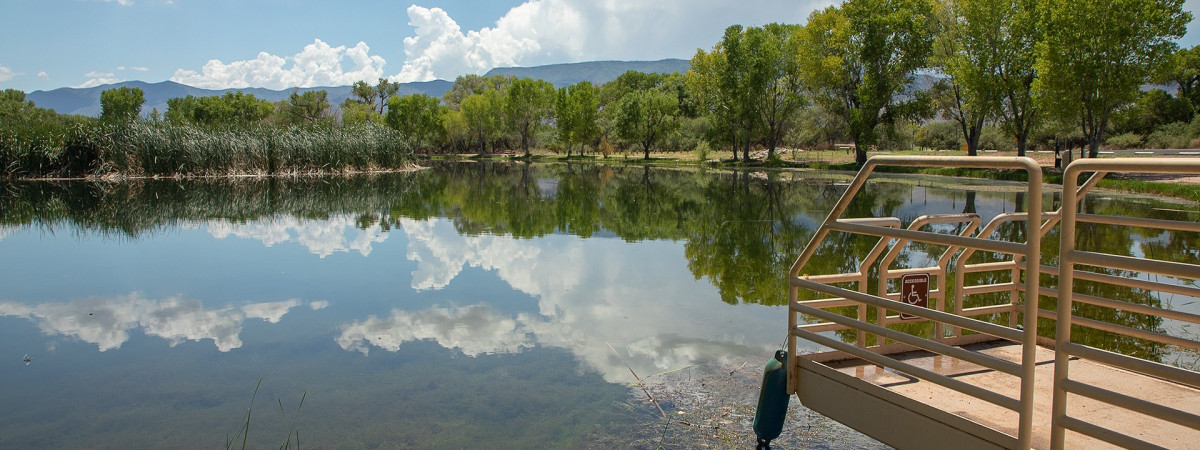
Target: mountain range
86,101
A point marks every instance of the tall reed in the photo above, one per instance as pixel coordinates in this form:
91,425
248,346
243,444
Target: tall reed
143,148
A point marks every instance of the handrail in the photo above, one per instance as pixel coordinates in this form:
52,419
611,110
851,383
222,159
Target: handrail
1029,253
1026,268
962,268
1069,257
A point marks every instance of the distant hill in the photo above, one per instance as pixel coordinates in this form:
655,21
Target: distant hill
600,72
86,101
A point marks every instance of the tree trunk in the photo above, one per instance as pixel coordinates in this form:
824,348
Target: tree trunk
746,149
1094,146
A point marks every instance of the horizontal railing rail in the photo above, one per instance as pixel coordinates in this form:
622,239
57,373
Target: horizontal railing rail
1069,258
892,235
1024,267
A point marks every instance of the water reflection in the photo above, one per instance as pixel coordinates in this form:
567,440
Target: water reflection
107,322
480,271
473,330
338,234
588,292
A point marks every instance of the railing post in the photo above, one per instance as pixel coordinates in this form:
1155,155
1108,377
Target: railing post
1033,265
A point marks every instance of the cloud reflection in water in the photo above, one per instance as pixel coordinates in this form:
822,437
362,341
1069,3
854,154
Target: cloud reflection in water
590,292
107,322
337,234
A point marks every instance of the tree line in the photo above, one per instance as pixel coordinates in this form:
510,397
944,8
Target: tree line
980,74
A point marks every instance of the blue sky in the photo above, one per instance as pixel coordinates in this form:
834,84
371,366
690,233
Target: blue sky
283,43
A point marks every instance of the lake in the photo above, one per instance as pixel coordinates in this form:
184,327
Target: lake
465,305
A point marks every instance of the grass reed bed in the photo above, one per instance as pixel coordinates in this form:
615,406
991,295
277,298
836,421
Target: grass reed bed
94,148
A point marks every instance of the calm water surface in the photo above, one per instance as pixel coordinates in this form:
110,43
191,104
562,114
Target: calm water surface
465,305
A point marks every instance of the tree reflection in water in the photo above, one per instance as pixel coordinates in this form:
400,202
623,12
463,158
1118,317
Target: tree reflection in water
741,229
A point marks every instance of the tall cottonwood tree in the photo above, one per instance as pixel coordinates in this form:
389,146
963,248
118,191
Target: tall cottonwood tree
719,81
962,52
417,116
1014,29
1097,53
646,116
773,83
527,105
484,116
857,59
576,114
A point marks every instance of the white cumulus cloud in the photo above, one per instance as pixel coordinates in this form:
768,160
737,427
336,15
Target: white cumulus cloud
318,64
7,74
555,31
98,78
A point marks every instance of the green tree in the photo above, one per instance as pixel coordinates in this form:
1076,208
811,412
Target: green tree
1183,70
247,109
1086,72
718,81
964,51
309,107
1014,29
646,116
774,89
121,104
356,113
417,116
384,90
528,104
940,135
465,85
857,60
484,116
364,93
14,108
458,133
376,96
576,113
1153,109
232,108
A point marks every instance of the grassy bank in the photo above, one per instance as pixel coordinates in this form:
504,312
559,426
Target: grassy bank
94,148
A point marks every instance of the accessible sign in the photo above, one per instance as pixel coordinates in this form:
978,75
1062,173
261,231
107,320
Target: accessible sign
914,290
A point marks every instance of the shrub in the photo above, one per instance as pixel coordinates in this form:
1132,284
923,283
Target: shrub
944,135
1172,135
1125,141
702,151
995,138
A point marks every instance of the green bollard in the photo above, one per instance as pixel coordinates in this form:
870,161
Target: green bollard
772,401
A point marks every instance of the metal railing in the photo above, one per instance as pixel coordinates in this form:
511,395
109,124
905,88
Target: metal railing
889,232
1070,257
1022,263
